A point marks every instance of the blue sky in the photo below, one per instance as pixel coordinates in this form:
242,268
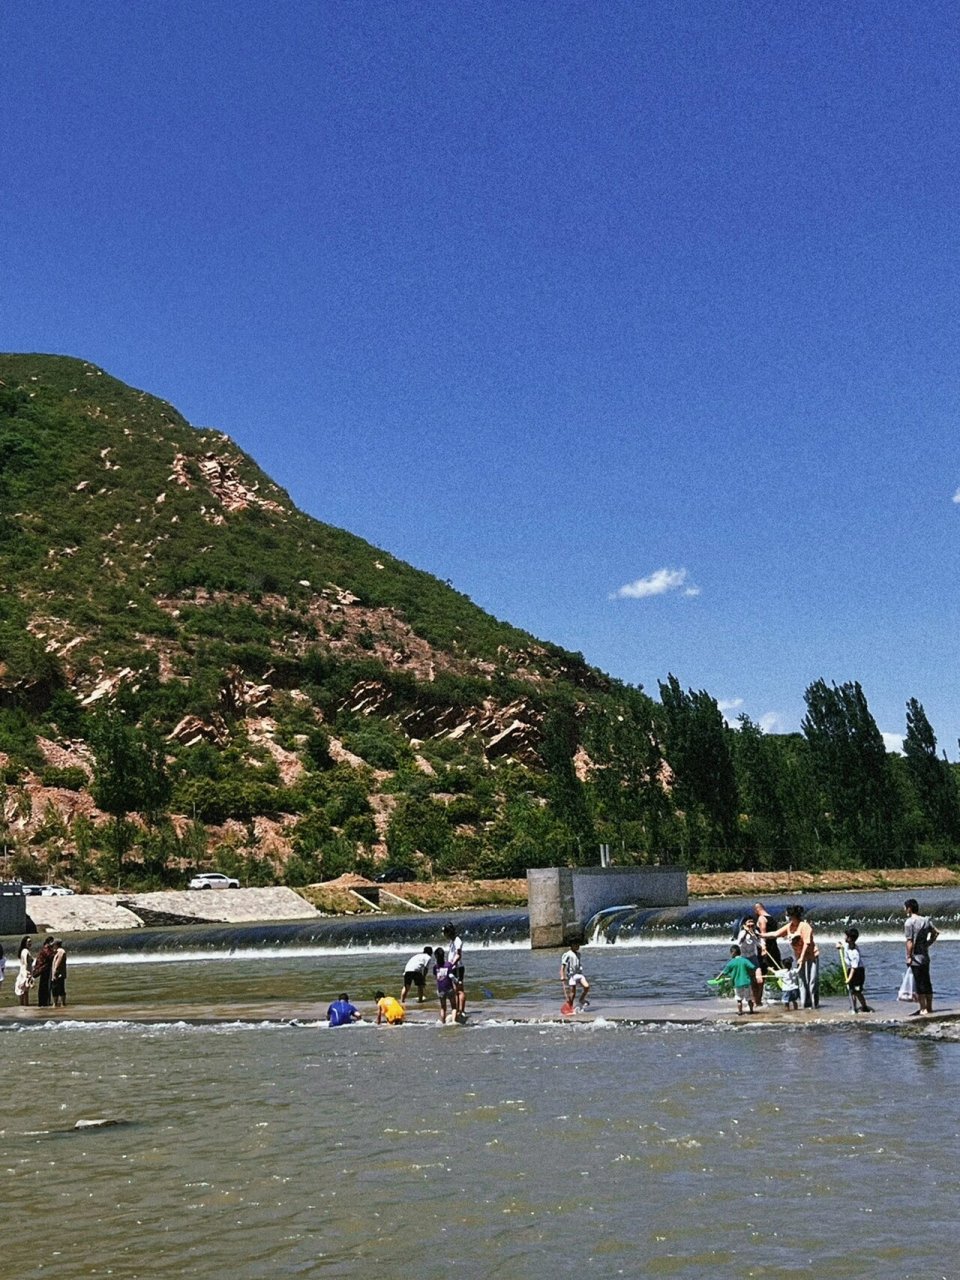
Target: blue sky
637,321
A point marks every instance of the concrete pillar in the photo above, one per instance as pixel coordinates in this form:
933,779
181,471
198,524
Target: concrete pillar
13,909
562,900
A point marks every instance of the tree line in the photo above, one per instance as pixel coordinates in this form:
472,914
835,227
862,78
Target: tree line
672,780
659,781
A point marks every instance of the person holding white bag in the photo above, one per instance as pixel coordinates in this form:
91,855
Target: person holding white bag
919,935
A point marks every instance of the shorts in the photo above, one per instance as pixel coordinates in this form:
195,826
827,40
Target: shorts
743,993
791,995
415,978
921,977
577,980
457,975
857,978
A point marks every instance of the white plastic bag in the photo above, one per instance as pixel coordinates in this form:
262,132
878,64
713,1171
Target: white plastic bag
908,988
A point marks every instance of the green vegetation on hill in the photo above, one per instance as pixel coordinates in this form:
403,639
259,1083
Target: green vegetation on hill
232,682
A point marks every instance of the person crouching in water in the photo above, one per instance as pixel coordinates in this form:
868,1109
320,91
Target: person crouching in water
572,977
740,970
446,991
856,974
390,1009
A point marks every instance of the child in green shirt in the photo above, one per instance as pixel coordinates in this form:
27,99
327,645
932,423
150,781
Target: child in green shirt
740,970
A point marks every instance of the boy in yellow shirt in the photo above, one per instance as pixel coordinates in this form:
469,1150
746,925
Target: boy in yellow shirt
389,1009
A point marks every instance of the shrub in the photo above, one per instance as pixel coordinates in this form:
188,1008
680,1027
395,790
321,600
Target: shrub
72,778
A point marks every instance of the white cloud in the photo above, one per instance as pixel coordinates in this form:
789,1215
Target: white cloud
893,742
771,722
729,704
657,583
956,496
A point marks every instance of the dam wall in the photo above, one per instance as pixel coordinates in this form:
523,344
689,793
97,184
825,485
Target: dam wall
562,899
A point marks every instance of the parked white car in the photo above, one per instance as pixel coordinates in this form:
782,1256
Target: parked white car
46,891
213,880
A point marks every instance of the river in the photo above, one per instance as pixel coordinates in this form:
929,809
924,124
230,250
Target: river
504,1149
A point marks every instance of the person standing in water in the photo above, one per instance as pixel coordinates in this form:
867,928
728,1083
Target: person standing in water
919,934
807,954
58,975
740,972
41,971
572,977
455,965
855,971
24,982
750,944
445,988
770,957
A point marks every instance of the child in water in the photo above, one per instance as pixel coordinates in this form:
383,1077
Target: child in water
855,971
790,982
390,1009
741,970
572,977
445,984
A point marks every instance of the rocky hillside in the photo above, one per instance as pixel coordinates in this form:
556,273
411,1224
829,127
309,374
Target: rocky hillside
194,673
309,703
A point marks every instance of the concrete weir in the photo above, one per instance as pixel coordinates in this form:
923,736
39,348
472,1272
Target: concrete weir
561,900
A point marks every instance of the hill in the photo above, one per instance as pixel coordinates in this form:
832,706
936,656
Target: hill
308,687
195,674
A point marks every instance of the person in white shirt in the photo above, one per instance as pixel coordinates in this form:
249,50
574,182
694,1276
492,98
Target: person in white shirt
455,965
573,977
856,974
415,974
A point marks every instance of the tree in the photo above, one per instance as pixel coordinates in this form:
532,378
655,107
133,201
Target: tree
931,778
860,803
627,789
129,775
697,749
760,785
565,792
418,829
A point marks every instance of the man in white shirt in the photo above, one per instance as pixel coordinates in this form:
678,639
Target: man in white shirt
415,974
455,965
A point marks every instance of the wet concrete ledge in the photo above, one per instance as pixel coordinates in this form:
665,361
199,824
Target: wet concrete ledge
886,1015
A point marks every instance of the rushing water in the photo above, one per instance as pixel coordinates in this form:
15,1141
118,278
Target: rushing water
497,1150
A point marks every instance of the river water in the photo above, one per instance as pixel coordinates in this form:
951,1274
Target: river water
258,1151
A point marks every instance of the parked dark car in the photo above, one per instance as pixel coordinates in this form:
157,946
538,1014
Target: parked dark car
395,875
